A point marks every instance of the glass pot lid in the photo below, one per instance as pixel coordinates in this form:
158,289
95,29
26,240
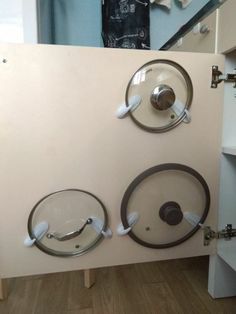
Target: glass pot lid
75,219
165,91
171,201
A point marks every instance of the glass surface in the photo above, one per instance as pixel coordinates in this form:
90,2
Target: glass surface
66,212
146,81
158,189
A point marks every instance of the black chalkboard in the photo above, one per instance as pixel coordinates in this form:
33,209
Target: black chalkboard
126,24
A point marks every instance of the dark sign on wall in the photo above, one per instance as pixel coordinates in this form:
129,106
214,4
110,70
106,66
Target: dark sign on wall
125,24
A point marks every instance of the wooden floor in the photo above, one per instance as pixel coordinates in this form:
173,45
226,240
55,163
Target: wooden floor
178,286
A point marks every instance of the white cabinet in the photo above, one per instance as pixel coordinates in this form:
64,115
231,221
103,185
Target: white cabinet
222,271
59,130
227,26
222,274
201,38
220,36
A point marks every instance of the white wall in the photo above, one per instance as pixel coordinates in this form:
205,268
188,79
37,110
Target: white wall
11,21
18,21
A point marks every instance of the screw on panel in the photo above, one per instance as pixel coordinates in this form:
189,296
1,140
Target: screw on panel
4,60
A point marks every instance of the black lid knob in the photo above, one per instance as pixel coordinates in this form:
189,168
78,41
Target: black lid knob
171,213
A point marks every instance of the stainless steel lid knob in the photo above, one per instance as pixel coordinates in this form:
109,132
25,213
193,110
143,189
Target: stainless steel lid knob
162,97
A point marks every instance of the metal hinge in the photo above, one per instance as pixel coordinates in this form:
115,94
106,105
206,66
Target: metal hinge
226,234
218,77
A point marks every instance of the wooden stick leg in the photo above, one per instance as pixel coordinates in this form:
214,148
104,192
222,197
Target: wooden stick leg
3,289
89,278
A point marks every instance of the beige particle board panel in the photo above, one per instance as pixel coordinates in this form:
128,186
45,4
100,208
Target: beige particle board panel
58,130
227,25
200,42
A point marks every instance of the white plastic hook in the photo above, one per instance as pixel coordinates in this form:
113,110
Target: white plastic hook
97,225
178,107
132,220
39,231
134,102
193,219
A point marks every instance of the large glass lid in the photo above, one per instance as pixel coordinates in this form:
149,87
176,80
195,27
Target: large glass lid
75,220
171,201
165,92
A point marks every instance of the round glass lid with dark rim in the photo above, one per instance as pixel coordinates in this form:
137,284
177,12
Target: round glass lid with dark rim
75,221
171,202
164,90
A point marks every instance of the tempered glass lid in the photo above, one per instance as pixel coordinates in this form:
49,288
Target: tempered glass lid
75,219
171,201
165,91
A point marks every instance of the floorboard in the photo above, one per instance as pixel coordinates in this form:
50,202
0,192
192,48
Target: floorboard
166,287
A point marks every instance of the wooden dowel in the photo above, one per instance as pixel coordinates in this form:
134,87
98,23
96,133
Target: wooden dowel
89,278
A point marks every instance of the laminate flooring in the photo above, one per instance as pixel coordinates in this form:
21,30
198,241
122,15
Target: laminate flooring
173,287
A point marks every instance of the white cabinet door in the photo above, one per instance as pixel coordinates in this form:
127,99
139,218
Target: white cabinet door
222,275
200,39
58,130
226,27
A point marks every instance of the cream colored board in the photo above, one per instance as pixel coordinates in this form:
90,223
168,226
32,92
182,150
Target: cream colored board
200,42
58,130
227,25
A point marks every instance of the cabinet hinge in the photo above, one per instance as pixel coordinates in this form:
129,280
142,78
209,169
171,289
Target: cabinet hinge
226,234
218,77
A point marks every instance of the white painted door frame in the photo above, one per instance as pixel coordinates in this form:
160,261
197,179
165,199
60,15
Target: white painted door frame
30,21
